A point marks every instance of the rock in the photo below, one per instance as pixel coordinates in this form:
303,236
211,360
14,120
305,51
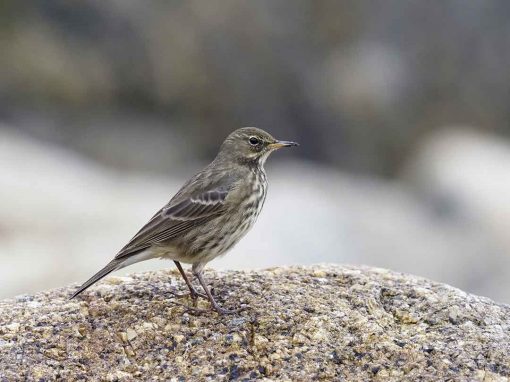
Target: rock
305,323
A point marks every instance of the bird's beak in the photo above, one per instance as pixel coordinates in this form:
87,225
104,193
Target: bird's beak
280,144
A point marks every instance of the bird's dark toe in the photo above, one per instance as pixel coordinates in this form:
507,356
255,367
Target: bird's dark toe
224,311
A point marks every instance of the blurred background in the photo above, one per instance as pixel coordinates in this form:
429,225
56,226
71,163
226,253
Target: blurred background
402,109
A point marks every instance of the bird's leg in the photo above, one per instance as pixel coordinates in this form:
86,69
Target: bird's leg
219,309
193,292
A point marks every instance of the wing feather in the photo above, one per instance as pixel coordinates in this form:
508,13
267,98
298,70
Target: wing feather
177,218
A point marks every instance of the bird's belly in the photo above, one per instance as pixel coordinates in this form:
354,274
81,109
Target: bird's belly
223,241
162,252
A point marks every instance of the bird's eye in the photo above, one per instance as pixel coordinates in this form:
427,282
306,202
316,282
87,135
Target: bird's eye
254,141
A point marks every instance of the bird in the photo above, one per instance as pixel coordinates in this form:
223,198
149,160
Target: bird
209,214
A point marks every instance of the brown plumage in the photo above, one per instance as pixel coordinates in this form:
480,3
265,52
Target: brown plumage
209,214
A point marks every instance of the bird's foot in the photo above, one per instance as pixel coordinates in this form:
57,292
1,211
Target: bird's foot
193,294
224,311
191,309
218,309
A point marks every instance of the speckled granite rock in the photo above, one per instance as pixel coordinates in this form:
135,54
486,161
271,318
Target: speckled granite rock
306,323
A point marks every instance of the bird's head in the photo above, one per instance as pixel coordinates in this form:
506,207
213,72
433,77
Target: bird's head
251,145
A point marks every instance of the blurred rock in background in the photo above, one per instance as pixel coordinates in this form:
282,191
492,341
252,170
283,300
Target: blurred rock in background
107,107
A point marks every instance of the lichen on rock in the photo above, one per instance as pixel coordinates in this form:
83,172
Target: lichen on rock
304,323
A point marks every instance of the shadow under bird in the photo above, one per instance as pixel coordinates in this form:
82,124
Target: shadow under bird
209,214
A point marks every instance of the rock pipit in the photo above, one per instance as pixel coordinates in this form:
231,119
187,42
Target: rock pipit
209,214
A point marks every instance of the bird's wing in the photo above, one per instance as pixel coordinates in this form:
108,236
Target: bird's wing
198,206
177,218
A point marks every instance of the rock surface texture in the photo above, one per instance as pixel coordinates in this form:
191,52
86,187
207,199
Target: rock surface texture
304,323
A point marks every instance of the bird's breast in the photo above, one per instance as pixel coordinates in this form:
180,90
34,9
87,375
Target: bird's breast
251,204
258,193
244,209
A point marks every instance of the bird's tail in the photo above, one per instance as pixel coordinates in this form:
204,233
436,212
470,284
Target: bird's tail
110,267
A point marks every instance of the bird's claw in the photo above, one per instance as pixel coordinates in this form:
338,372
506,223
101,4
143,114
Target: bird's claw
178,295
193,294
191,309
196,295
224,311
